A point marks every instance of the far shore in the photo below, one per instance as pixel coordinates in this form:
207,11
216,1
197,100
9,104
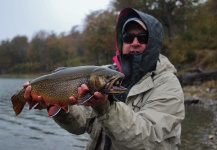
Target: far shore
22,75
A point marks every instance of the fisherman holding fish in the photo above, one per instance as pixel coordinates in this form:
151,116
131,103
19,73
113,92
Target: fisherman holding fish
148,114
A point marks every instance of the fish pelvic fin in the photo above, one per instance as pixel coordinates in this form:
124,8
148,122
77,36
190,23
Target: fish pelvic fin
54,110
18,102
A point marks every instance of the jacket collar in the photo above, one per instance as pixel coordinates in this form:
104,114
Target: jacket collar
147,83
143,85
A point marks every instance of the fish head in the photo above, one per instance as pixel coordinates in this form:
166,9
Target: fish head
106,80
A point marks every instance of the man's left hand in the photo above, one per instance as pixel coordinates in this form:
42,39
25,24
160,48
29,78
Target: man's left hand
98,99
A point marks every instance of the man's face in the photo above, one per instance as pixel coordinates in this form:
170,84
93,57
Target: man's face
134,32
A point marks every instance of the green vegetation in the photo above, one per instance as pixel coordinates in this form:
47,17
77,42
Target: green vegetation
190,39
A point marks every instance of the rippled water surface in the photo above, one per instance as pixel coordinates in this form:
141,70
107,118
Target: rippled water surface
35,130
31,129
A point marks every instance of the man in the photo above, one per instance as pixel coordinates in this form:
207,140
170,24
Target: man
148,115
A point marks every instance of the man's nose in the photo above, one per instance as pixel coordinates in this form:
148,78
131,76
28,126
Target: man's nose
135,42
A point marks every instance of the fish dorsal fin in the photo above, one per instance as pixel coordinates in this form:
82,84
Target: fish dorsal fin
59,68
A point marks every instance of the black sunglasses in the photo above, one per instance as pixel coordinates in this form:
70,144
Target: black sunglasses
128,38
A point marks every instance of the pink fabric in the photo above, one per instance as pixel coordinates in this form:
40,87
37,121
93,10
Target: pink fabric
115,59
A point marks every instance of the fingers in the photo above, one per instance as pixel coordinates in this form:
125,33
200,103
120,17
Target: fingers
42,103
27,93
39,98
100,96
73,100
27,96
82,90
26,84
97,100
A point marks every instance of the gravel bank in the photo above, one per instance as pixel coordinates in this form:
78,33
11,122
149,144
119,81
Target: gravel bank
205,97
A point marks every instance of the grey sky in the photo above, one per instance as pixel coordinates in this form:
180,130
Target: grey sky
27,17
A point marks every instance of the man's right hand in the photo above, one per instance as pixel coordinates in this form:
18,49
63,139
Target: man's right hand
27,94
38,103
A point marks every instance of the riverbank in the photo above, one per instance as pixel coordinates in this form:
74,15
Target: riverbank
33,75
201,98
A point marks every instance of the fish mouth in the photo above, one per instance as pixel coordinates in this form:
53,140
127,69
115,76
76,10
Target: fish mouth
114,86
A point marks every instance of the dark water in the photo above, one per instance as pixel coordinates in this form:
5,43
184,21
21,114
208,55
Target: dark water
196,128
31,129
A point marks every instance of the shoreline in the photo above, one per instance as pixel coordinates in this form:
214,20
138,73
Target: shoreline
33,75
205,96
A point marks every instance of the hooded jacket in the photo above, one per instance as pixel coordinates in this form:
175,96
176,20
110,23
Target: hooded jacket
141,63
153,110
149,57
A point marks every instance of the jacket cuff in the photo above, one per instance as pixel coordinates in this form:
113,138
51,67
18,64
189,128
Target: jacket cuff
101,110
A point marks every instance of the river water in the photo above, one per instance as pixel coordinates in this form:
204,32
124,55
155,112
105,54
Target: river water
31,129
35,130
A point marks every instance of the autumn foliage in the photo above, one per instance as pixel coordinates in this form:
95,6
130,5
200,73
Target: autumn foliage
190,38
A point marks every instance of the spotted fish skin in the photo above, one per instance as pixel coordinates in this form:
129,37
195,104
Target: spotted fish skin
57,87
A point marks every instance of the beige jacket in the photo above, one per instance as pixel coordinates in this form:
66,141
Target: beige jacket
150,118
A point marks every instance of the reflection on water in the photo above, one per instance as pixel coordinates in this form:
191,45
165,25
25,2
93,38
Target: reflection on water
31,129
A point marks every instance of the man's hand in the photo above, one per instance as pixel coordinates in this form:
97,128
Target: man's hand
38,103
98,99
98,102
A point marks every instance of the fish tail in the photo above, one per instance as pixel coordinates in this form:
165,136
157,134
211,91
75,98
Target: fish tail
18,102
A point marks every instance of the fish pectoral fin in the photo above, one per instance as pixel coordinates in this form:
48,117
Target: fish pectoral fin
54,110
66,108
85,98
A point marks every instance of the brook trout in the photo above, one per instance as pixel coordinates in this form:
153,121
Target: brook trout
57,87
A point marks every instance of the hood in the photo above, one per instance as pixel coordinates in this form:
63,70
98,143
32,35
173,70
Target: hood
146,61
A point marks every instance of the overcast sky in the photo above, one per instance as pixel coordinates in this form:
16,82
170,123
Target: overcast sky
27,17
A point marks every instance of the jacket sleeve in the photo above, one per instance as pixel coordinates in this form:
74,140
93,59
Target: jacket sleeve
158,119
76,121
